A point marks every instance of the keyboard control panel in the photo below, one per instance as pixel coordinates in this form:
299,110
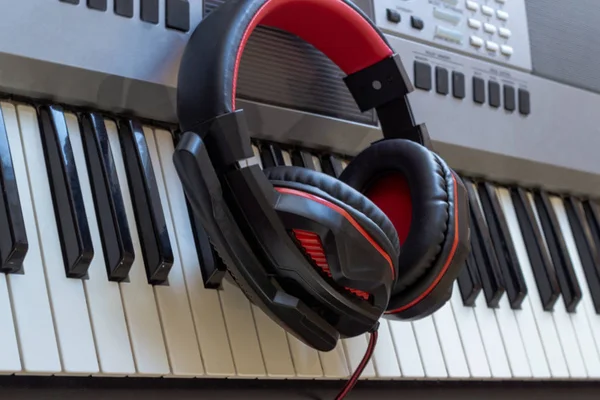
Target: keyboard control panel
490,29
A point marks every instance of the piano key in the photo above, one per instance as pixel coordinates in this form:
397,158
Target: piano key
509,326
13,238
151,224
469,284
539,259
112,221
104,297
564,323
591,212
172,299
484,256
588,251
287,158
9,348
429,348
267,157
28,292
544,320
355,349
587,327
501,240
301,158
470,336
452,349
67,297
256,152
332,165
205,304
567,280
407,350
334,362
386,361
139,301
72,228
276,153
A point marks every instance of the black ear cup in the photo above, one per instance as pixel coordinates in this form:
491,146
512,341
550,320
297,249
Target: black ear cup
426,202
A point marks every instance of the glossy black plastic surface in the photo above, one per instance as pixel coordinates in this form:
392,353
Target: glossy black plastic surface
539,259
301,158
506,256
150,220
563,266
71,219
469,282
108,200
13,238
332,165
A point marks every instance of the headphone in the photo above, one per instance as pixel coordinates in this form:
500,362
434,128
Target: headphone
323,257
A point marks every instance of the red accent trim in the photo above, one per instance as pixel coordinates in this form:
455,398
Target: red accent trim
332,26
448,260
348,217
319,258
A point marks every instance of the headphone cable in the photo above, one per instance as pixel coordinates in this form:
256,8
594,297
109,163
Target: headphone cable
354,378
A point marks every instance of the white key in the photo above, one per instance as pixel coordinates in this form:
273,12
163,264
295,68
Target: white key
104,297
384,357
67,297
306,359
172,299
9,350
452,348
511,336
356,348
205,304
563,322
334,362
492,339
585,319
407,349
429,348
29,295
544,320
469,334
139,302
242,331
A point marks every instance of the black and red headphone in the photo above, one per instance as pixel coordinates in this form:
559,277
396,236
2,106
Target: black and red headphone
325,258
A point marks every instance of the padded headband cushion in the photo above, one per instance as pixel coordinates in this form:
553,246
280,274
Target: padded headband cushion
361,208
336,27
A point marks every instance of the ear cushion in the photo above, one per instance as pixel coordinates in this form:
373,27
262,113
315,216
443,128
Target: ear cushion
362,209
409,183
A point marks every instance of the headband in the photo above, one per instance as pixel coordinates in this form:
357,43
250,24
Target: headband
375,77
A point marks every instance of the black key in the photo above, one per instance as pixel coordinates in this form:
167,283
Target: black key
150,220
539,259
332,165
501,240
563,267
71,220
301,158
469,283
483,253
269,156
13,237
149,11
108,200
589,215
277,154
178,15
97,4
124,8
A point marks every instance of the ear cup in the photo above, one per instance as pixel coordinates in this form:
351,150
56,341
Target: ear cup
371,219
425,201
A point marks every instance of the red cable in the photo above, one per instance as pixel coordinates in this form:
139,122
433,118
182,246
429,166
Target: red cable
354,378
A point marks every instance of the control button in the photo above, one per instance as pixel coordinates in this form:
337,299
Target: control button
451,2
486,10
489,28
449,34
393,16
70,1
124,8
506,50
149,11
471,5
504,32
501,1
446,15
491,46
97,4
178,15
502,15
458,85
524,106
478,90
474,23
416,22
509,98
441,80
476,41
422,75
494,94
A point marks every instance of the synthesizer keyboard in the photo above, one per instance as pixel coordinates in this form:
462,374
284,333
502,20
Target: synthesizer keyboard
101,262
